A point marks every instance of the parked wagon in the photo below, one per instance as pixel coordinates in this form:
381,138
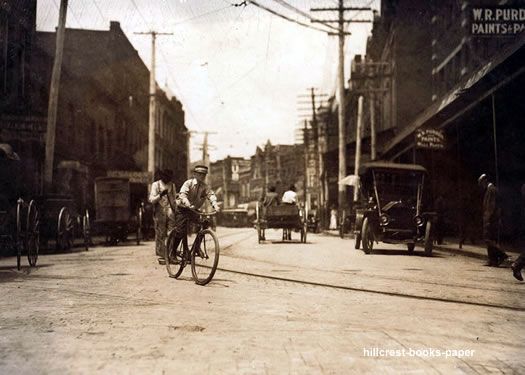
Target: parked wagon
19,219
287,217
115,217
63,223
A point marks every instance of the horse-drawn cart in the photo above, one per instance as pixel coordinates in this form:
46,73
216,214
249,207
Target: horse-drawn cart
63,223
19,219
287,217
115,218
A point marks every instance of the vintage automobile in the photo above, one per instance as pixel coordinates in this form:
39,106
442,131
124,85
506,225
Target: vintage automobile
393,211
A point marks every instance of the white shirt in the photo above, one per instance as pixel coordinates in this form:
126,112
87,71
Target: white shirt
289,196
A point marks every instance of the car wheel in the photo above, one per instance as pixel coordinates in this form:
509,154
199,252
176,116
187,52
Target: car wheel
368,237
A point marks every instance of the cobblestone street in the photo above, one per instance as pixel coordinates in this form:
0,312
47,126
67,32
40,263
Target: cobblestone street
320,307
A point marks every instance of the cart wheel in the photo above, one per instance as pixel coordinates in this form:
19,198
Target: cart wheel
140,213
411,247
65,230
428,239
18,239
86,230
368,237
32,233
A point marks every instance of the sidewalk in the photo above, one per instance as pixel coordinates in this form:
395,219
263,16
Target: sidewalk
451,246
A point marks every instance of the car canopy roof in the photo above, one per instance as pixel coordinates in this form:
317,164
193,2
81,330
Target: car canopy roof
389,166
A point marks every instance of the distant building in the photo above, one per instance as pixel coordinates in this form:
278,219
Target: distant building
102,122
279,166
225,176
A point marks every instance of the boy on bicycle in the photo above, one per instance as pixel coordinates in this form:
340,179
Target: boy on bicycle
192,195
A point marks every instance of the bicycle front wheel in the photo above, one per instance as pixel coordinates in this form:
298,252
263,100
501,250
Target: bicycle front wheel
174,256
204,257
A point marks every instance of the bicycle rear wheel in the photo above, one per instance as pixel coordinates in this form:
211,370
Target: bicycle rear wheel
204,257
174,255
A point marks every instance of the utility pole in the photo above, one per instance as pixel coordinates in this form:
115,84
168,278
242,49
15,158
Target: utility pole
358,144
312,149
341,87
152,101
205,146
373,152
53,98
306,154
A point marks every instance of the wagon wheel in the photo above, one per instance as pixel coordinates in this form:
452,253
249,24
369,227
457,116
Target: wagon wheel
140,213
32,233
428,239
65,228
86,230
18,239
368,237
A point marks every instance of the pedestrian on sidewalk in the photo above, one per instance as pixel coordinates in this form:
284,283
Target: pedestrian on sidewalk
518,265
333,219
491,219
162,213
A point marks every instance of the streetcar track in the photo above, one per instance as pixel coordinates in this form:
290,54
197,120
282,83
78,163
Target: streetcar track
397,278
372,291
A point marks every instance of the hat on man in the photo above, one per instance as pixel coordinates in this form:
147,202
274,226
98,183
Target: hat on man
200,169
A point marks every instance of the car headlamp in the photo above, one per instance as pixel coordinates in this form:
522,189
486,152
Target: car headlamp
418,220
384,219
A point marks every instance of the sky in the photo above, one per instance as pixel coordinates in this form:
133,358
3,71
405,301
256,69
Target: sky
239,71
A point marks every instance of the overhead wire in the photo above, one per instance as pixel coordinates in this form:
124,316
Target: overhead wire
275,13
302,13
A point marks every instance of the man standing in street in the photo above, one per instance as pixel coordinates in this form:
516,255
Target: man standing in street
162,212
491,218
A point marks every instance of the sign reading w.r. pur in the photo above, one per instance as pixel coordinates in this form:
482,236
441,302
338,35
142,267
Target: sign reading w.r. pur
431,139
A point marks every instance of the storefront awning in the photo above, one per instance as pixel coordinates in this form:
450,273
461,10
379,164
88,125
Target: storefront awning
495,74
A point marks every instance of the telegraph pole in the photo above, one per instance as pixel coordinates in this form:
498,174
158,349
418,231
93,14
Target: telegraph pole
152,102
358,143
341,87
53,98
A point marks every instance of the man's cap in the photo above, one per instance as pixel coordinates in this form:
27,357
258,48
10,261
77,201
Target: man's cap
200,169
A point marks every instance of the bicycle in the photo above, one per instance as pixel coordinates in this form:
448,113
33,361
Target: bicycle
203,254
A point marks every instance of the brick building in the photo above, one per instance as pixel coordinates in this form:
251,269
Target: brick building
102,121
277,165
225,180
476,91
20,125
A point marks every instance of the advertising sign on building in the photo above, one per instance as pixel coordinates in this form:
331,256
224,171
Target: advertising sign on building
430,139
133,176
